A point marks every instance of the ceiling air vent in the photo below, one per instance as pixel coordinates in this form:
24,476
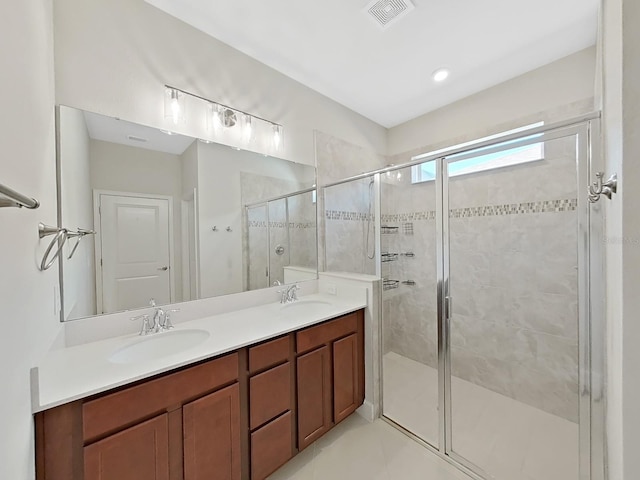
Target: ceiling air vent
387,12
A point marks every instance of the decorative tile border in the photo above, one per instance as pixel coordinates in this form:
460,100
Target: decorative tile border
408,217
343,215
263,224
544,206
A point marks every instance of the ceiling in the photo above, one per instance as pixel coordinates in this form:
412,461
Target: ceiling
114,130
336,48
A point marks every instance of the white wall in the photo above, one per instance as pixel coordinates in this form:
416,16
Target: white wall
27,164
621,102
79,293
137,170
115,56
526,98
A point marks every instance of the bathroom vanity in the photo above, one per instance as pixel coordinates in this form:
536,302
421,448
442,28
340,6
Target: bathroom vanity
237,415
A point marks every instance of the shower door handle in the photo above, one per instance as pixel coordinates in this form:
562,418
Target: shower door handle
448,308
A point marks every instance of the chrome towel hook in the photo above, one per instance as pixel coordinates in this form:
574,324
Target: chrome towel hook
80,234
60,238
599,187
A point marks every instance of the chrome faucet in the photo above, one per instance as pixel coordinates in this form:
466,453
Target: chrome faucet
160,322
159,317
289,294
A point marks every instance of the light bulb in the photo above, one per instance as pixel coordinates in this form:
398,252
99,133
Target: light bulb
174,106
399,176
277,137
175,110
248,128
214,119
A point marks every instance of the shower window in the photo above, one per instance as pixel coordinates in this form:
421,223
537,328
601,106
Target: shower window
426,172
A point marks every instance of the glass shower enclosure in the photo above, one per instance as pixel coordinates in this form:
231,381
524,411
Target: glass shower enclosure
491,333
280,240
487,323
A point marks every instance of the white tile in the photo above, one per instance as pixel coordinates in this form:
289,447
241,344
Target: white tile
507,439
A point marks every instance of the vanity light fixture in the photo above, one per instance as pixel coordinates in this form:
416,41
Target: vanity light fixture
220,117
174,105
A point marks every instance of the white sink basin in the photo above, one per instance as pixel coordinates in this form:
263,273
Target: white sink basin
301,305
159,345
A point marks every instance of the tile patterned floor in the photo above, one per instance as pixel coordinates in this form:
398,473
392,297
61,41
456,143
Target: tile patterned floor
508,439
358,450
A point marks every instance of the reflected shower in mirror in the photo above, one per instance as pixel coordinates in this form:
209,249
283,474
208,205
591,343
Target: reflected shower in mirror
176,219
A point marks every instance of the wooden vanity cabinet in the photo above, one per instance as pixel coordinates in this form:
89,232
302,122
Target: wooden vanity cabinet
237,417
330,375
180,426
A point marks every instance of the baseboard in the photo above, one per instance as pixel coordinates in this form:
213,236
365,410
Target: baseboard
367,411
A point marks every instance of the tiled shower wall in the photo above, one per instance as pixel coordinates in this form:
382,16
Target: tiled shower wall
513,234
343,217
349,233
297,236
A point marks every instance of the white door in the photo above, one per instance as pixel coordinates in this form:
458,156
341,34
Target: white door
134,234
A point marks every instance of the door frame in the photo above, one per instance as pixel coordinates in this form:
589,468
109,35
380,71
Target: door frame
591,310
190,198
97,216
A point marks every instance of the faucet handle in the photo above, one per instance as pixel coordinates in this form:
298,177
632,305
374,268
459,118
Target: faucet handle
152,302
294,290
167,318
146,326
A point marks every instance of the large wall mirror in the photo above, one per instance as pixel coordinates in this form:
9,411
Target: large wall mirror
173,218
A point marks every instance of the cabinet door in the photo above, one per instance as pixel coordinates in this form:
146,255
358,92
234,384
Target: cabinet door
345,377
212,436
138,453
314,395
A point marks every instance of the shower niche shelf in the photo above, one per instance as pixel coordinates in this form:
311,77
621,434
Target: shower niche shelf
389,284
388,257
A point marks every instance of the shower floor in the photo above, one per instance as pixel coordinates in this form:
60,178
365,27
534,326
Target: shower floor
506,438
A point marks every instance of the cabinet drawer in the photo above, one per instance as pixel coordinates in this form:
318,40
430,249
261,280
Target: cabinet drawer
269,394
268,354
271,447
314,337
115,411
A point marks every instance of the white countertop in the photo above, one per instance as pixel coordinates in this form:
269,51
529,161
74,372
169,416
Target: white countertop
72,373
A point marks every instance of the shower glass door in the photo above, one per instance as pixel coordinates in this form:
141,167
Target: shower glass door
511,272
279,245
257,247
408,260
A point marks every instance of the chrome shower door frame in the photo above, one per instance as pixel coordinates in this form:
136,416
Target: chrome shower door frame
590,330
591,323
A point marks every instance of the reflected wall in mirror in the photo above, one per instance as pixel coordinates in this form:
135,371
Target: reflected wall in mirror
176,219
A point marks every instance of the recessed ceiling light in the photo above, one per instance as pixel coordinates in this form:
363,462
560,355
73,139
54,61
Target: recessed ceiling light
440,75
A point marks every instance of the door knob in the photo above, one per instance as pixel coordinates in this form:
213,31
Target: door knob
163,269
